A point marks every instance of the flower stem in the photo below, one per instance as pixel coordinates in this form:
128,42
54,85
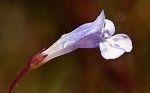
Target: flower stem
26,69
35,62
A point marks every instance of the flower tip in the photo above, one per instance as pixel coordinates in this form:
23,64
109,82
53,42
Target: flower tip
102,11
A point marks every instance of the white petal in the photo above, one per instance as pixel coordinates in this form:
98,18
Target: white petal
121,41
109,26
110,52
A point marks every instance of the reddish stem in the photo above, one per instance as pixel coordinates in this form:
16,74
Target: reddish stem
26,69
33,63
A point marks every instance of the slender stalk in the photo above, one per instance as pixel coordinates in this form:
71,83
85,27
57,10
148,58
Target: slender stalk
35,62
25,70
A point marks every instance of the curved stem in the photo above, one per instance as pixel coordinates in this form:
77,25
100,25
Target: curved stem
33,63
26,69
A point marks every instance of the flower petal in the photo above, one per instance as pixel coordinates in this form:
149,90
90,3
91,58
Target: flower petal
110,52
121,41
109,26
85,36
100,18
98,24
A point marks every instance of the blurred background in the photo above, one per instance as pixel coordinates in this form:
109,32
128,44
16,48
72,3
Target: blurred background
27,26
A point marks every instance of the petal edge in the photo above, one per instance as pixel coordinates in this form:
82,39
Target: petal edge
121,41
110,52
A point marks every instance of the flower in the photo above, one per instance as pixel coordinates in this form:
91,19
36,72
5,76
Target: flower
99,33
92,35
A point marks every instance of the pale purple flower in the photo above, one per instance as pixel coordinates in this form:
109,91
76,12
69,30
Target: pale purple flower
99,33
92,35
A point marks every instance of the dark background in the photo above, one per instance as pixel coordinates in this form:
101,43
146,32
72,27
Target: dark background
27,26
